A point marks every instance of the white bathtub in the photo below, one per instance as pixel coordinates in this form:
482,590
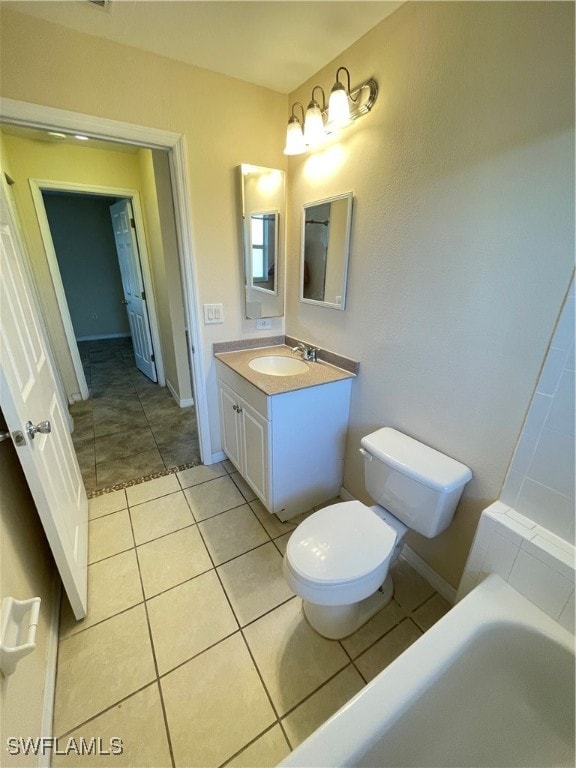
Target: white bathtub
491,684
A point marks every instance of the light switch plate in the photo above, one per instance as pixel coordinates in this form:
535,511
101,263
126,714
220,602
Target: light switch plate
213,313
263,322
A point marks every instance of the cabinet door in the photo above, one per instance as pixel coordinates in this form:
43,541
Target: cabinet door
231,426
255,448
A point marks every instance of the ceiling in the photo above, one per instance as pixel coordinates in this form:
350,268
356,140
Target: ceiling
278,44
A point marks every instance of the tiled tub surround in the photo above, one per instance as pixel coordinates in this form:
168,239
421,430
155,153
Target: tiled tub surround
527,537
537,563
130,427
540,482
194,651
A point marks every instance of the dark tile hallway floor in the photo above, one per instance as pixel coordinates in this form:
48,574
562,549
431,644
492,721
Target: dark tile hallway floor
129,427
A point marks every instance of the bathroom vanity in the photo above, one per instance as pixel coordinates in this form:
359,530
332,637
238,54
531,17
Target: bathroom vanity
285,433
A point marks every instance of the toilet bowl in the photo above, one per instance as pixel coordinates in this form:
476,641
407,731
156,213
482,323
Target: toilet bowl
337,560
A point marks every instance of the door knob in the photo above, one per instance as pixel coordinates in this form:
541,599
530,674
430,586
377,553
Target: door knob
44,428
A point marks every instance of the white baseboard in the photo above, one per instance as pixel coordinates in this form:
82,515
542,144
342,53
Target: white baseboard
50,678
427,572
420,566
183,402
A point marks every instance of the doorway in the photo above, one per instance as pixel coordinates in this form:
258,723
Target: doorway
37,117
94,255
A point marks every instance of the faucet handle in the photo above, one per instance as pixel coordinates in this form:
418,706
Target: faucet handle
312,354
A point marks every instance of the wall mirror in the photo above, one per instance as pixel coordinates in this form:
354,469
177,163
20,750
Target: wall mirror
326,226
263,231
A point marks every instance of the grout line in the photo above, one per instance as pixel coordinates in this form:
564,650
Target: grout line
160,693
107,709
250,743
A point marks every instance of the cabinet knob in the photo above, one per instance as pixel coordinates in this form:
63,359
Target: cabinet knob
237,408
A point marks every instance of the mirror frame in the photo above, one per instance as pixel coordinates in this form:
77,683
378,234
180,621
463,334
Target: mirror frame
345,247
268,195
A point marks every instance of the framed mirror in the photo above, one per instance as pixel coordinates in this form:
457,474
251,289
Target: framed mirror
263,204
325,251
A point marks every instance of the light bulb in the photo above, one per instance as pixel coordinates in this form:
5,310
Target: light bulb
314,132
338,106
295,144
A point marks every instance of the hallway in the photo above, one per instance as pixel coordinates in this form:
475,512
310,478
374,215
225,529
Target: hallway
129,428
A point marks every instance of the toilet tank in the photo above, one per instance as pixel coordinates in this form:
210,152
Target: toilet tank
417,484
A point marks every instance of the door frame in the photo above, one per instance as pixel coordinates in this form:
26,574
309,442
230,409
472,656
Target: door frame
37,186
51,118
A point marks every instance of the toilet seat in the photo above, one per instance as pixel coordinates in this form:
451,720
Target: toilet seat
339,554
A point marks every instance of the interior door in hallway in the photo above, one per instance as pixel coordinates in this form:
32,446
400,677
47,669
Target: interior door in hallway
133,285
36,416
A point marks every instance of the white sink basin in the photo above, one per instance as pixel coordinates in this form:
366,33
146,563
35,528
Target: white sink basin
278,365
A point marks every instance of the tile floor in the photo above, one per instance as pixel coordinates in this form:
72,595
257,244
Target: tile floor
130,427
195,651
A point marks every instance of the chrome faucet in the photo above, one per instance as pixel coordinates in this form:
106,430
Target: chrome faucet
308,353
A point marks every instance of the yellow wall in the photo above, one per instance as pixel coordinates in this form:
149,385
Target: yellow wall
165,269
56,162
462,237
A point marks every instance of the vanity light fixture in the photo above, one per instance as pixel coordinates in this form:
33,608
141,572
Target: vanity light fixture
344,106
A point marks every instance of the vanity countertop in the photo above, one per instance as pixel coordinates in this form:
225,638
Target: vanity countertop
320,372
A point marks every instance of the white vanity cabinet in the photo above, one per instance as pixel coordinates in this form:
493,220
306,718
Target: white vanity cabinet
289,447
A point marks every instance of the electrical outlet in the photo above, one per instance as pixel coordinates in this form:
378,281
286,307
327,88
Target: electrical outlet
263,322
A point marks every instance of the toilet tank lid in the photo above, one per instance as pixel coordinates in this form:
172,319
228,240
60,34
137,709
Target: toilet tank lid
416,460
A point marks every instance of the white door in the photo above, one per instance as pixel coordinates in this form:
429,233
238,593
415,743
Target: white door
30,399
133,285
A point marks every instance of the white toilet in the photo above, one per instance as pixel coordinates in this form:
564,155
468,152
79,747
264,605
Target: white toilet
337,560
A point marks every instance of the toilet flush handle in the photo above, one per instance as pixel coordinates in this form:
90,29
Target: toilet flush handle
366,454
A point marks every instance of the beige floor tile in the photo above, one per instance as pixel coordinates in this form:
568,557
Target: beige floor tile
172,559
266,752
109,535
160,516
113,586
376,658
303,720
410,589
254,582
281,542
101,666
243,486
215,705
432,610
209,499
373,630
232,533
152,489
138,722
188,619
273,525
292,658
200,474
106,504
